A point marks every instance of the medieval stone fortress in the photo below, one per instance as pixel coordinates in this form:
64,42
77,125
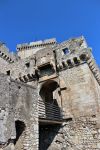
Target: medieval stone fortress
49,96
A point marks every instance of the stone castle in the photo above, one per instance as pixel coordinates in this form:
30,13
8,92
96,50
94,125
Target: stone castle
49,96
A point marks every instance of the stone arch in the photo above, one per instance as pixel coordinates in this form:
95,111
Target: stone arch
50,101
47,89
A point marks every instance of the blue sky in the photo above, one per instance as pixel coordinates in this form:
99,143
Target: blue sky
28,20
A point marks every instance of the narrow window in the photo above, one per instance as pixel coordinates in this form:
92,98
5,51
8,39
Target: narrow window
8,72
69,62
76,60
27,65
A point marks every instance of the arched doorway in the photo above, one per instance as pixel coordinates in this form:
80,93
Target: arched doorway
50,100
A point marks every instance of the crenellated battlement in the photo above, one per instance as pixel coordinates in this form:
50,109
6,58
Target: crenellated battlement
6,55
50,60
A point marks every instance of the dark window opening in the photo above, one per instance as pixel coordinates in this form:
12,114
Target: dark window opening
19,87
8,72
93,116
5,56
27,65
64,64
20,127
69,62
46,70
66,51
83,57
76,60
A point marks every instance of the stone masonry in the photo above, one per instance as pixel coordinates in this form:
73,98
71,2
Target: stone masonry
49,96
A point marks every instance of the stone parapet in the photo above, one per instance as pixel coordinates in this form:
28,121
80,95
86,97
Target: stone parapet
48,42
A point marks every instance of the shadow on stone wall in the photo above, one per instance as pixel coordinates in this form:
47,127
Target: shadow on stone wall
47,134
20,127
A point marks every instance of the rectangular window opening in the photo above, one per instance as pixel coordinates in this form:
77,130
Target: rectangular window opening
66,51
8,72
45,70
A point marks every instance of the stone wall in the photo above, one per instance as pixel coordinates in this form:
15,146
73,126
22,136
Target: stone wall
18,115
6,114
81,95
20,69
78,134
26,110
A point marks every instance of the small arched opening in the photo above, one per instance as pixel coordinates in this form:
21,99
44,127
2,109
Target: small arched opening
76,61
83,57
69,63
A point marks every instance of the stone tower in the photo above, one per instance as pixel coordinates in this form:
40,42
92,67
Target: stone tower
49,96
